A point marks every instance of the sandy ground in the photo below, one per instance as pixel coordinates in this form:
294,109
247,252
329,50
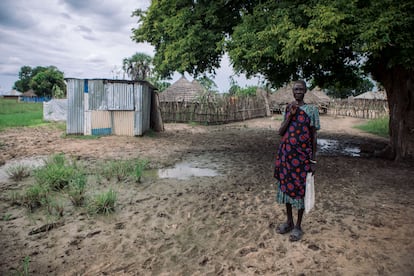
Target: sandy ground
362,224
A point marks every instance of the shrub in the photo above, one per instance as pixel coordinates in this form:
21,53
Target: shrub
57,172
54,206
77,188
139,168
34,196
123,170
103,203
18,172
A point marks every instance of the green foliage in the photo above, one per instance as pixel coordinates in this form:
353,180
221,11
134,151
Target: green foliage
25,75
138,67
58,172
6,217
34,196
207,83
54,205
17,114
43,80
187,36
337,90
327,41
123,170
377,126
159,84
103,203
77,189
47,81
18,172
58,92
25,268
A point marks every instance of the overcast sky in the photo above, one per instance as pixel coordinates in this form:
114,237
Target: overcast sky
82,38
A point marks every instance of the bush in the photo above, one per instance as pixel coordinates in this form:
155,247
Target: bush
103,203
77,188
123,170
35,196
57,172
18,172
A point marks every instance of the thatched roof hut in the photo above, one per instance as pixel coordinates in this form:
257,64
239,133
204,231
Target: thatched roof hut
29,93
371,95
284,96
182,91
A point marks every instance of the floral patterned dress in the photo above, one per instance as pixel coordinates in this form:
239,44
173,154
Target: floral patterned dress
292,160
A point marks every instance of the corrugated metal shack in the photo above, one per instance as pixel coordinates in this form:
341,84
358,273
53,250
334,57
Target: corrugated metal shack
108,107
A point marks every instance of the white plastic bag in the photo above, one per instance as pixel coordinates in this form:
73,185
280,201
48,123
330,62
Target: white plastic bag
309,193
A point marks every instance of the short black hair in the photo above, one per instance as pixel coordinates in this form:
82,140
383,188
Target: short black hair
301,82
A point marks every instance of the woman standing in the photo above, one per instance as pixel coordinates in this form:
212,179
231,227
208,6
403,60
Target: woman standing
296,157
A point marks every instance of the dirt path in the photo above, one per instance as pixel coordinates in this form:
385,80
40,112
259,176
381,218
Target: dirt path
217,225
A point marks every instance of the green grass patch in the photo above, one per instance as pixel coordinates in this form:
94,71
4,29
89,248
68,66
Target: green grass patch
103,203
123,170
20,114
376,126
58,172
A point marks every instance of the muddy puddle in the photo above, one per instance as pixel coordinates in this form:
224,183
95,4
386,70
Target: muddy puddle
333,147
29,162
186,170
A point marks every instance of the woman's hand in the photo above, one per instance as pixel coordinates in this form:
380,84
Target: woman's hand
293,108
313,168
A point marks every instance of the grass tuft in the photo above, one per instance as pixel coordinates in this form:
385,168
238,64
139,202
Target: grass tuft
124,170
57,172
103,203
77,189
34,196
18,172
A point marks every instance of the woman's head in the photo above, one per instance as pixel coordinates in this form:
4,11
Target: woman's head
299,90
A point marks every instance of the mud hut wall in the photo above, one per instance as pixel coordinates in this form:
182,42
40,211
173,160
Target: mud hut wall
224,110
366,109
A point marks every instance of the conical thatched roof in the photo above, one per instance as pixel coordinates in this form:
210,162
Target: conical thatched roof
182,90
321,96
284,96
29,93
371,95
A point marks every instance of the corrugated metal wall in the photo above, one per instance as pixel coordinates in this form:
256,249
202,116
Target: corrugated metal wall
104,107
142,109
76,110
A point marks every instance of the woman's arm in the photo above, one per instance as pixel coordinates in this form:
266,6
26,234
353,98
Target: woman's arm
314,134
290,111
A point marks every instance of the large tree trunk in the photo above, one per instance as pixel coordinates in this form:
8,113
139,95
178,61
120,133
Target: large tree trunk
399,85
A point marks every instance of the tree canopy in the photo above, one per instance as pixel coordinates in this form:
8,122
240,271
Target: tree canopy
138,67
45,81
326,42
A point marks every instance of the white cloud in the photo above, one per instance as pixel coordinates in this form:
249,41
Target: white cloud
84,39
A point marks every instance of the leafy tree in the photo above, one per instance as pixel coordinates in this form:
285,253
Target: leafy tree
43,80
337,90
319,40
138,67
207,83
48,80
25,74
